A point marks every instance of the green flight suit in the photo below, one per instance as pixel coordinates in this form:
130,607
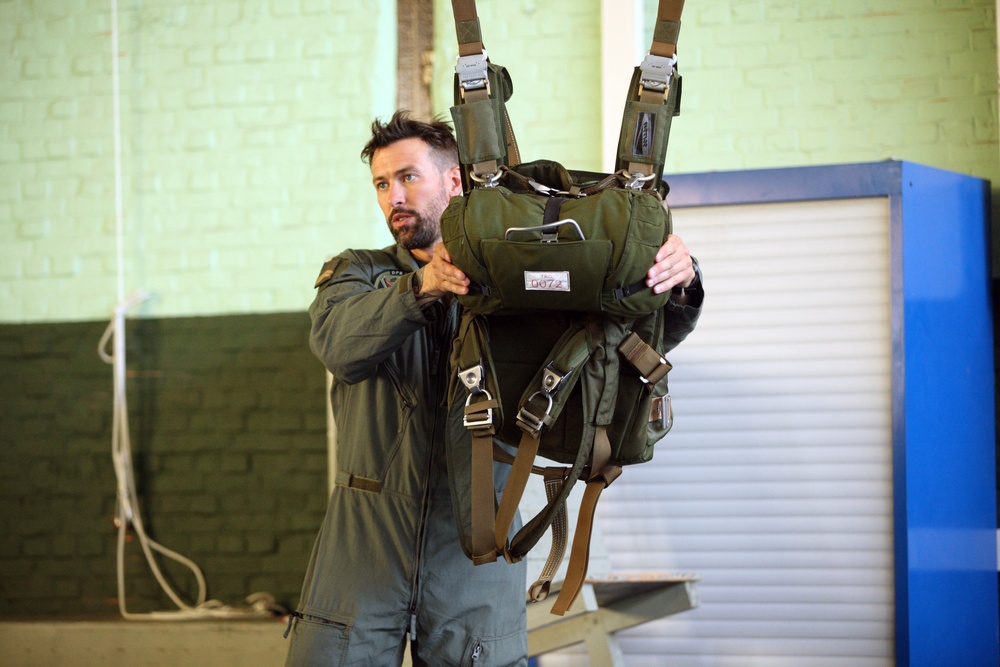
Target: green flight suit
388,563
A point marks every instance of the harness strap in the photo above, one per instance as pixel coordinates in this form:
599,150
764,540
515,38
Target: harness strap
470,37
579,557
520,472
538,591
483,494
659,66
668,26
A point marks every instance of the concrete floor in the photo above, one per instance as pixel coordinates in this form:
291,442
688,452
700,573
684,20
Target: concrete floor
120,643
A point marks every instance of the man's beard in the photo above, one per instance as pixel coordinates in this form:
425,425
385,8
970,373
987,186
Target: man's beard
425,228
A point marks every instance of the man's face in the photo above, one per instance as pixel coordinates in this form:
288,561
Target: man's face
413,191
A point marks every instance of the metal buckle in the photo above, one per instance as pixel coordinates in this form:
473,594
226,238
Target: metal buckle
530,422
657,72
636,181
486,180
661,412
475,424
551,379
472,378
471,72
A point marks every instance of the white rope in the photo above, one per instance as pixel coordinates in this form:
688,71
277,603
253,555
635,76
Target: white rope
127,512
116,105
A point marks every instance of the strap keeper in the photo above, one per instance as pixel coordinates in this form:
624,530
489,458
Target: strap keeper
651,366
485,558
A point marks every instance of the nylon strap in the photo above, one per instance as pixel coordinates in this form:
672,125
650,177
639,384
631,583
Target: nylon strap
579,558
483,494
520,471
668,26
665,34
538,591
648,362
470,37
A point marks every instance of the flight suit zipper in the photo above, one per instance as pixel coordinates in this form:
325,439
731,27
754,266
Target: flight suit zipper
440,338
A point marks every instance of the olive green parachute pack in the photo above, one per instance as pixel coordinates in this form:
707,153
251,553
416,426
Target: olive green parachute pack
559,353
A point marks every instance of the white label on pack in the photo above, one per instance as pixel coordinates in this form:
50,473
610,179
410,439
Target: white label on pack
546,281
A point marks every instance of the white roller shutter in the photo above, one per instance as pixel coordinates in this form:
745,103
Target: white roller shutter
775,485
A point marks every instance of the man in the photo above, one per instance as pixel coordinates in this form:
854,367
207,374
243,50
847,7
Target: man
388,564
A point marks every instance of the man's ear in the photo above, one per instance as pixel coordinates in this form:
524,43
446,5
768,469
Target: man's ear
453,178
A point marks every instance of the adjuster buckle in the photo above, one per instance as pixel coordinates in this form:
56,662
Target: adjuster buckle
472,378
471,72
657,71
530,422
472,421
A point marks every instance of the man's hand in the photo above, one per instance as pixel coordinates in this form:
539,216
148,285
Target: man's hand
440,276
673,266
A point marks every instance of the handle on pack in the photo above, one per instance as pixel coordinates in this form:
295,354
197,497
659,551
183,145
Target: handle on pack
550,230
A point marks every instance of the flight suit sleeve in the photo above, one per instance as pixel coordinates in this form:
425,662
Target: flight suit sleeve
682,312
355,325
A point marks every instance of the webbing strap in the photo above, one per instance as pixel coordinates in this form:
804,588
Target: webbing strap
520,471
579,557
483,494
344,478
664,44
668,26
470,43
483,500
538,591
648,362
470,37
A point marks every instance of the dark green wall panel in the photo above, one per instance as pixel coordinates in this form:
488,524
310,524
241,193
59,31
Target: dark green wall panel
228,428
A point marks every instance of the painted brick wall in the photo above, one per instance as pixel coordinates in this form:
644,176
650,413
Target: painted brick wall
552,50
228,434
241,124
242,120
784,83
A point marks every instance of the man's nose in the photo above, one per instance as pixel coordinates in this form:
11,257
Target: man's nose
397,194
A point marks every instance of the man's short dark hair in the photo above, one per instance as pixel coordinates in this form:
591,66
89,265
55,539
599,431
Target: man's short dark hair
437,134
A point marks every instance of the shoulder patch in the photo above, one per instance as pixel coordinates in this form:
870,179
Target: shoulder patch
332,267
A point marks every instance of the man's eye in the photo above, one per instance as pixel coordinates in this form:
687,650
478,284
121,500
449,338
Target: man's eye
409,177
381,186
